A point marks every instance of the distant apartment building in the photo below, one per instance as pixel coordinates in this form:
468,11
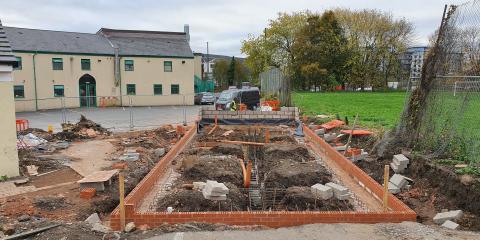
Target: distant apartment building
111,67
412,61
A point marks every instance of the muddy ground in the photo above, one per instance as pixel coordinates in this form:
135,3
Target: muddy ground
286,170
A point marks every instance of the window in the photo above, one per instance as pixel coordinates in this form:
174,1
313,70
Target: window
58,91
57,63
167,66
131,89
157,89
85,63
18,91
19,63
175,89
128,65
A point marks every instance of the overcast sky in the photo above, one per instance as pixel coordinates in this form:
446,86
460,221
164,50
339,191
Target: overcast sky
223,23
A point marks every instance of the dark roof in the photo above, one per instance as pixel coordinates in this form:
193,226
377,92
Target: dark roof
129,42
6,55
150,43
24,39
217,56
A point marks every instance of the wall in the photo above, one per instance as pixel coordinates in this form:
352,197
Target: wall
286,115
101,68
150,71
8,138
147,71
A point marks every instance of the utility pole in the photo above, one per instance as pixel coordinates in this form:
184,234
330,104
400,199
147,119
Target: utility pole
208,63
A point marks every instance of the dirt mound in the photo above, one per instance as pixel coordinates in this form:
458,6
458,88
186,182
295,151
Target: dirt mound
218,168
228,149
84,128
50,203
301,199
291,173
37,132
184,200
275,154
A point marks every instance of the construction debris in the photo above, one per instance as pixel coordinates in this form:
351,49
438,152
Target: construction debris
399,181
130,227
198,186
442,217
450,225
159,152
329,137
332,124
215,191
32,170
98,180
357,132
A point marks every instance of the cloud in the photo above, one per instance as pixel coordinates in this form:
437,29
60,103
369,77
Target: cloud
223,23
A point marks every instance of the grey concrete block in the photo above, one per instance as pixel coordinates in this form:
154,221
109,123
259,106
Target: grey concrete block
392,188
399,181
440,218
338,190
321,191
198,185
344,196
329,137
341,148
450,225
215,188
320,131
400,159
396,168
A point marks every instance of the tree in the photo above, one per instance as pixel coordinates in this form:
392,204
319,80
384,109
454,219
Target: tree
220,69
274,46
231,72
320,52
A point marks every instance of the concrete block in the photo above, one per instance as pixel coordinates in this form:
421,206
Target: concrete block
400,159
450,225
198,185
440,218
320,132
396,168
392,188
338,190
321,191
341,148
214,188
399,181
344,196
329,137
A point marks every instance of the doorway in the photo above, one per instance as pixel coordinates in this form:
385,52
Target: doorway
87,91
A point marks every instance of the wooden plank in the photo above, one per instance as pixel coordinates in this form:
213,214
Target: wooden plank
242,142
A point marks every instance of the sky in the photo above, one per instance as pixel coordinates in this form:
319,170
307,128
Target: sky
221,23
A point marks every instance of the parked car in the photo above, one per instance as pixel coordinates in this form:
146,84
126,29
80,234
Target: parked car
204,98
247,96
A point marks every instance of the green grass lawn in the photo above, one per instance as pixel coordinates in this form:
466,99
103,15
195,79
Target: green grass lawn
382,109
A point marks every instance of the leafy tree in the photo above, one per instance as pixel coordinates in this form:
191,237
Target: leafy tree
231,72
320,52
220,69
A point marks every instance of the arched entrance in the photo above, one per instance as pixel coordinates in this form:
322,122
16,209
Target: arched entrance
87,91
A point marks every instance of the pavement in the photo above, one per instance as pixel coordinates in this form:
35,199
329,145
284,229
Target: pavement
390,231
117,119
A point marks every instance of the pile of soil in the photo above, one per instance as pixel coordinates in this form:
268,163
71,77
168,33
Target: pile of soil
218,168
276,154
184,200
302,199
79,130
291,173
228,149
50,203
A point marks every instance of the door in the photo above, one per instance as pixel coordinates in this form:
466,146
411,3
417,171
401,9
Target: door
87,91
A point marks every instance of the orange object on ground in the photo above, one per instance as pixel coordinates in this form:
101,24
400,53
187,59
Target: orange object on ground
357,132
180,130
332,124
275,104
88,193
353,152
22,124
243,107
120,165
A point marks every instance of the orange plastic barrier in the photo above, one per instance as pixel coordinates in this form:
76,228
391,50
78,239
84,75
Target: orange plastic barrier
275,104
243,107
22,124
357,132
332,124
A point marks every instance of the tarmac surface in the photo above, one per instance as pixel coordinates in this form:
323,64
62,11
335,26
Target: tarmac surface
116,119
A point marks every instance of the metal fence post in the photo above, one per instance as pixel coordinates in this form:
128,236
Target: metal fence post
130,112
64,111
184,112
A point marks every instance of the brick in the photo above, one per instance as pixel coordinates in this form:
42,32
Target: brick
88,193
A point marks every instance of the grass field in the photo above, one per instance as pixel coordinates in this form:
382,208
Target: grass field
374,109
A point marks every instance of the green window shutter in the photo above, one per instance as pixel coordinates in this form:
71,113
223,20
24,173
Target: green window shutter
58,91
19,91
85,64
128,65
19,63
131,90
175,89
57,63
167,66
157,89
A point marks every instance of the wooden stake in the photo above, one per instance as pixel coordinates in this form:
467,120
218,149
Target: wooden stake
267,135
121,189
386,175
350,136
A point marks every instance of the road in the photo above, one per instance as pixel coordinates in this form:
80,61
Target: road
116,119
405,230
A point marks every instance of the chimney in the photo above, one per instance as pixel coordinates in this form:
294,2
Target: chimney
186,29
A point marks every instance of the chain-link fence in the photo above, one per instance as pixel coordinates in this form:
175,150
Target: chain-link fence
117,113
441,116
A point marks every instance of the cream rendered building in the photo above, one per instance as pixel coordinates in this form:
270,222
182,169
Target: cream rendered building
8,138
109,68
